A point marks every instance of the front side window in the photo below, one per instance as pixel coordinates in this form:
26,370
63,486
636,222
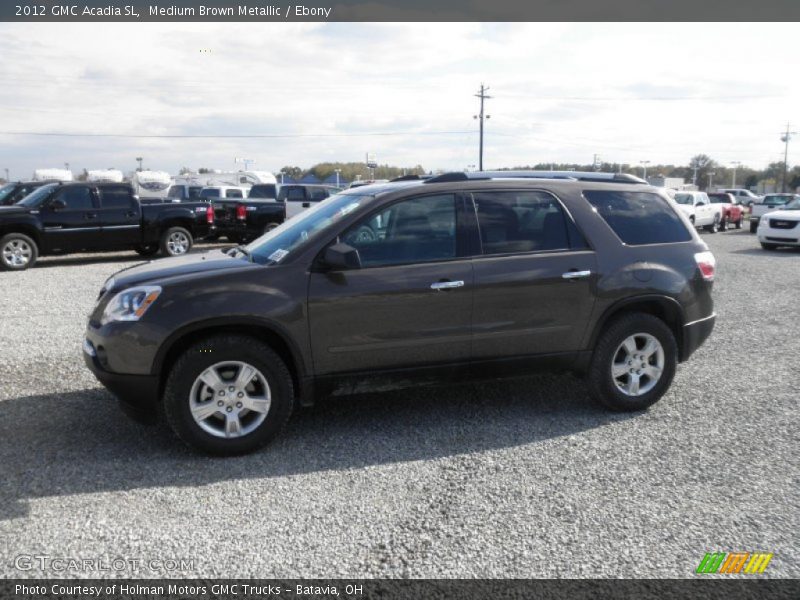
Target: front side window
210,193
295,194
513,222
194,191
411,231
639,217
76,198
176,191
318,194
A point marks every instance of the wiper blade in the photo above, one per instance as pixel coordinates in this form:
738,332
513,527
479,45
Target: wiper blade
244,251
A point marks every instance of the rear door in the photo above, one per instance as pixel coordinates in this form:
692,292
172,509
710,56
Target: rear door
76,225
534,277
120,216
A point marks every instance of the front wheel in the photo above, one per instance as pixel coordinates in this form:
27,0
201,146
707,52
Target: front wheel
769,246
228,395
633,363
176,241
17,252
753,227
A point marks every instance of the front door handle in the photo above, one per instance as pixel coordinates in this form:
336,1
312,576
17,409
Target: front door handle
91,215
446,285
576,274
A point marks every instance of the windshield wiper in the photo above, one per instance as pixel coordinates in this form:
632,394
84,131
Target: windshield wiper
244,251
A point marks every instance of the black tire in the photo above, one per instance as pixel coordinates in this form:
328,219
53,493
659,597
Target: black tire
769,246
714,227
602,386
16,247
723,225
201,356
169,244
149,250
739,222
753,227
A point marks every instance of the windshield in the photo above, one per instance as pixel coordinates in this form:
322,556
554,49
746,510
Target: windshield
684,199
263,191
35,198
793,205
273,247
720,198
5,191
778,199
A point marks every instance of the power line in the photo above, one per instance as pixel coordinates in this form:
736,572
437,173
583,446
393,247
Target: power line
231,136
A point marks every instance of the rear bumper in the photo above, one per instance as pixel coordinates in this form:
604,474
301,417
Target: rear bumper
138,394
694,334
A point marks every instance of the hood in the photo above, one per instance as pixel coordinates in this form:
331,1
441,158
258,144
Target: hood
13,210
156,271
789,215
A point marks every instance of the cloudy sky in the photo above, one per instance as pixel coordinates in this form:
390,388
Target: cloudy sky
316,92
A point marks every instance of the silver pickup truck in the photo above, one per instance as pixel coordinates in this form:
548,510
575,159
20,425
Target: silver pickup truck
770,202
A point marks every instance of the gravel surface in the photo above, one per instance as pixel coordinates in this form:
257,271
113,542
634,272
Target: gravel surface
517,479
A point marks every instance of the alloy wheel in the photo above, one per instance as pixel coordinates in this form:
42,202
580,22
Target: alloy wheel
638,364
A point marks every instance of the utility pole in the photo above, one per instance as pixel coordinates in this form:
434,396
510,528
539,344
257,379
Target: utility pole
644,167
785,137
482,116
710,180
736,164
139,159
7,176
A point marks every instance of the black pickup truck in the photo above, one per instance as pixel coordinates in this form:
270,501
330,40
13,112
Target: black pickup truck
74,217
243,220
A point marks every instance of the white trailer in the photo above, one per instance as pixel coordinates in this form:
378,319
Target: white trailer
151,184
237,178
104,176
52,175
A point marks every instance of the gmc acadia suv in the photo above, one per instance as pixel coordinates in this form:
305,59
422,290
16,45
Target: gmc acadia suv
480,275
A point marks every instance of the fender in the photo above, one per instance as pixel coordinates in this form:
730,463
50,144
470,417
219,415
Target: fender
668,303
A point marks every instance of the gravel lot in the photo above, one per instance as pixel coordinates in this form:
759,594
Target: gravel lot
520,479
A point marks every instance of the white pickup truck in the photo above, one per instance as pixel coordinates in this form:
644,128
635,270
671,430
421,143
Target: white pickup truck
768,203
700,210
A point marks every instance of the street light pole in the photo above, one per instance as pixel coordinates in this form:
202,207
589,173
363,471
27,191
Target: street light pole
710,180
644,167
735,164
337,176
8,178
139,159
785,137
482,116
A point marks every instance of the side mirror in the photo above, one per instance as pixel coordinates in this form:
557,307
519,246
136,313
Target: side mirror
341,256
58,204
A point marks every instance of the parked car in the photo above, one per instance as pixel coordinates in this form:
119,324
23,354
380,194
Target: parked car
410,283
75,217
211,192
184,192
11,193
769,203
732,212
244,220
745,197
780,227
700,210
299,197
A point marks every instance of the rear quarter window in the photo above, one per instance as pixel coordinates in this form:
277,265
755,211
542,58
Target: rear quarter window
639,218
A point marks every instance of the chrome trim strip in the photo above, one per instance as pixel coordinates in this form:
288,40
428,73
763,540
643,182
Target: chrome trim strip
711,316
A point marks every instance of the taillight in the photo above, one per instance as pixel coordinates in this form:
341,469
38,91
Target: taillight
707,265
241,212
210,214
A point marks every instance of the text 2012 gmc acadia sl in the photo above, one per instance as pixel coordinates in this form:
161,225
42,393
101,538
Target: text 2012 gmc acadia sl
480,275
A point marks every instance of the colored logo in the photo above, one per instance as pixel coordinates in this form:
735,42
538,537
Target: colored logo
734,562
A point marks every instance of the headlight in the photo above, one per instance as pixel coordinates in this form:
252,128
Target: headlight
130,304
763,222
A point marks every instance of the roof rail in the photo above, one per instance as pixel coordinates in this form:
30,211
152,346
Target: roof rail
569,175
407,178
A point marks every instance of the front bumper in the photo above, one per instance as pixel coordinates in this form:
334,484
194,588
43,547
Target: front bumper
694,334
138,394
780,237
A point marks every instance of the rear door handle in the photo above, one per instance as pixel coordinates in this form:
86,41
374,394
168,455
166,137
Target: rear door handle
576,274
446,285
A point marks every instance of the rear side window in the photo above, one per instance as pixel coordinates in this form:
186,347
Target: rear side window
512,222
266,191
210,193
176,191
115,197
233,193
194,192
639,217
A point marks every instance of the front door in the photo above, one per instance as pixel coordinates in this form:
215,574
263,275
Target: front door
73,225
410,303
534,277
120,217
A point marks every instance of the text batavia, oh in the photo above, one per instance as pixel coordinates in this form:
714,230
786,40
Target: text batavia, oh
241,10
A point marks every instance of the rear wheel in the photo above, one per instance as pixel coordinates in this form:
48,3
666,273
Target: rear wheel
753,227
633,363
723,225
176,241
714,227
739,222
17,252
228,395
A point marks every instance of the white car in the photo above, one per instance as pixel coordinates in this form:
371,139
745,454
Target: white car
780,227
745,197
700,210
